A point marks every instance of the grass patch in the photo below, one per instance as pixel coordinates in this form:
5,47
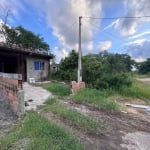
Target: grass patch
72,116
138,89
42,135
96,97
142,75
58,89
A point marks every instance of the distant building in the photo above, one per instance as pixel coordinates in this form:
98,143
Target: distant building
31,63
54,67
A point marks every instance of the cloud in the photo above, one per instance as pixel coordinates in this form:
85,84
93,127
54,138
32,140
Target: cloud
105,45
60,53
113,24
13,7
136,8
139,49
140,34
62,17
90,46
136,42
2,37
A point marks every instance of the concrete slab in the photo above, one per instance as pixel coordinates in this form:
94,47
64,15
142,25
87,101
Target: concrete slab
34,96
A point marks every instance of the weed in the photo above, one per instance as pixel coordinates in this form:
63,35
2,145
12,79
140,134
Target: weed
72,116
58,89
137,90
42,135
99,98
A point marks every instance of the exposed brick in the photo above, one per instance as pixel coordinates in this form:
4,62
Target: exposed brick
75,86
11,87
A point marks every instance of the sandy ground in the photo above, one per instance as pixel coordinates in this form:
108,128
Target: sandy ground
145,80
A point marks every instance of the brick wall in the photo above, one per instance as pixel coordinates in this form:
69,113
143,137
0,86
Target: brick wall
75,86
12,90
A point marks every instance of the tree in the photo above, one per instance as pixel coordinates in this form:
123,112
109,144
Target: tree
144,67
100,71
92,69
68,67
23,37
115,63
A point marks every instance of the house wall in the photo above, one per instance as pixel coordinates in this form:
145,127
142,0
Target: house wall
38,75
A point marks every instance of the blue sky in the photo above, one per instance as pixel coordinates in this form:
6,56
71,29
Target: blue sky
57,22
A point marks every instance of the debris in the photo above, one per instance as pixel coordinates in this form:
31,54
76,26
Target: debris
26,104
31,80
30,100
137,106
140,106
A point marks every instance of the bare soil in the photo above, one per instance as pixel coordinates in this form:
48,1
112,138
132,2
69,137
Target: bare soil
145,80
119,132
7,118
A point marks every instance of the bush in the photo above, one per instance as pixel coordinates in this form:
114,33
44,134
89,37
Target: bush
115,81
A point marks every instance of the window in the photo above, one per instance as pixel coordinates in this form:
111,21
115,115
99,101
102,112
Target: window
38,65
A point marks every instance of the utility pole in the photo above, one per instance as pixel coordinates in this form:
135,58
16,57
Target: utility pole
79,53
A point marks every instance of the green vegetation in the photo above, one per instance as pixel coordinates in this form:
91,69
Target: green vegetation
72,116
58,89
144,67
23,37
100,71
99,98
137,90
142,75
40,134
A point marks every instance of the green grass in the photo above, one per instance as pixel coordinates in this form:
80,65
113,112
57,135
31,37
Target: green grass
142,75
96,97
58,89
138,89
41,135
73,117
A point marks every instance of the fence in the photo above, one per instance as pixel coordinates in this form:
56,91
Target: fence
12,89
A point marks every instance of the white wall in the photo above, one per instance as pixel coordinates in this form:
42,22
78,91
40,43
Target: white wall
37,74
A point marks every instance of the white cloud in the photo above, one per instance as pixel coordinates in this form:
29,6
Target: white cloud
136,8
13,7
113,24
60,53
62,17
139,49
90,46
105,45
139,59
137,42
2,37
140,34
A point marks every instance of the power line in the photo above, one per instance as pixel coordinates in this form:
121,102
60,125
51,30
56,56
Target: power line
127,17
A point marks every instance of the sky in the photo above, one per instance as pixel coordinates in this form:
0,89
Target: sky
57,21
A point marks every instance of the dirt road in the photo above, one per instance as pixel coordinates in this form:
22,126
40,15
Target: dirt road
145,80
121,131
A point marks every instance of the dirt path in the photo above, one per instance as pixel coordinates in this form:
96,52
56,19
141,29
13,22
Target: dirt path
145,80
122,131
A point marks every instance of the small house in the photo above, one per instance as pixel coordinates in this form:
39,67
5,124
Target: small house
31,63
